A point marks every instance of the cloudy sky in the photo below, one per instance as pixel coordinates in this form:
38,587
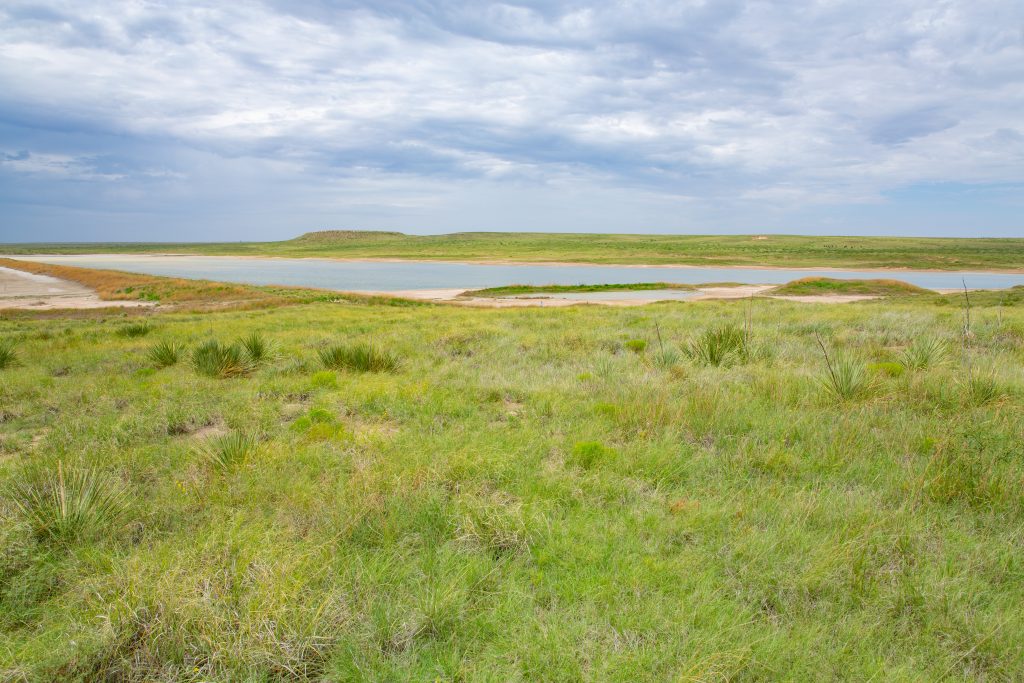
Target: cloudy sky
248,120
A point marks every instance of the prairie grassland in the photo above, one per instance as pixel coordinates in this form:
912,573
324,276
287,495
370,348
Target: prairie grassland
708,250
527,494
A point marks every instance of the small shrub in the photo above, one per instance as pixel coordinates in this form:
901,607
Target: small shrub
66,506
229,451
256,348
924,352
216,360
846,378
8,356
358,357
636,345
135,330
165,354
719,346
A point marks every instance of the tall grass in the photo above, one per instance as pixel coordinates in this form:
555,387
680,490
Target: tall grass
165,353
8,356
214,359
66,506
924,352
135,330
719,346
359,357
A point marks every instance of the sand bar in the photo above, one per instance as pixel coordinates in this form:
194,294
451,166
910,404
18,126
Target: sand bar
31,291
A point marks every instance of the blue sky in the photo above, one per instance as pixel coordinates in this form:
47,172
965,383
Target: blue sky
235,121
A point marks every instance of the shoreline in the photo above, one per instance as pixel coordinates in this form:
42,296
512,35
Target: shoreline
512,262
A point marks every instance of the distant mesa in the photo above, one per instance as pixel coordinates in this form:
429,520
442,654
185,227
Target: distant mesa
342,235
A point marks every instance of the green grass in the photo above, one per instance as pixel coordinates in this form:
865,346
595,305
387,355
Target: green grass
527,499
8,355
710,250
165,353
359,357
811,286
720,345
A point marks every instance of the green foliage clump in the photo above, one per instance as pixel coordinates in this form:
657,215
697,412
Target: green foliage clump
589,454
165,353
8,356
214,359
887,368
636,345
67,506
720,345
229,451
258,349
846,378
325,379
319,425
924,352
134,330
360,357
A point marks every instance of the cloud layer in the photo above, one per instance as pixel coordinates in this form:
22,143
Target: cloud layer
152,120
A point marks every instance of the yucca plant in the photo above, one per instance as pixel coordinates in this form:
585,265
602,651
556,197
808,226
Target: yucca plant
165,353
358,357
214,359
924,352
256,348
720,345
229,451
135,330
66,506
981,388
846,378
8,356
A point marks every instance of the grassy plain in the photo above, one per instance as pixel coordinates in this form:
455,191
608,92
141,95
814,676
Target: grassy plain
516,494
717,250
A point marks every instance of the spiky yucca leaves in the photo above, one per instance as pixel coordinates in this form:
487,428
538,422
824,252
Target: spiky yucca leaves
229,451
136,330
165,353
8,356
65,506
359,357
720,345
257,348
924,352
214,359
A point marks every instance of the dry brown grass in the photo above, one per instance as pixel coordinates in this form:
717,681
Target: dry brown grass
113,285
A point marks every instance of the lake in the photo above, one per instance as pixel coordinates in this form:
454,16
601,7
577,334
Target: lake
389,276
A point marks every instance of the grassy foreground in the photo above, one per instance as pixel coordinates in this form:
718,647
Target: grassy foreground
353,491
707,250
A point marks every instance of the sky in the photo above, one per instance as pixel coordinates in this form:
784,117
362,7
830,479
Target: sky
156,121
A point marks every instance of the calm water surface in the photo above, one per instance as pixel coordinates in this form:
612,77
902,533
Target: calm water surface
379,276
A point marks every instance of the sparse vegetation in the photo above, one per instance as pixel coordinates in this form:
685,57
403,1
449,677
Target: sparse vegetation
525,500
811,286
360,357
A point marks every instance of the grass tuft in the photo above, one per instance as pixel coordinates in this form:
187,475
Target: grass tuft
720,345
924,352
256,348
66,506
165,353
135,330
359,357
214,359
227,452
8,356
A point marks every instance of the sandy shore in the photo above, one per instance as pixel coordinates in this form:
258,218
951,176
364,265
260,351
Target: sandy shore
455,296
30,291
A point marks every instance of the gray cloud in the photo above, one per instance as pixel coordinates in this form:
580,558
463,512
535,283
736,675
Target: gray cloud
403,114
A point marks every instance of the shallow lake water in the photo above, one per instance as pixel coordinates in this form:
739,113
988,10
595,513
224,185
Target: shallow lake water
389,276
